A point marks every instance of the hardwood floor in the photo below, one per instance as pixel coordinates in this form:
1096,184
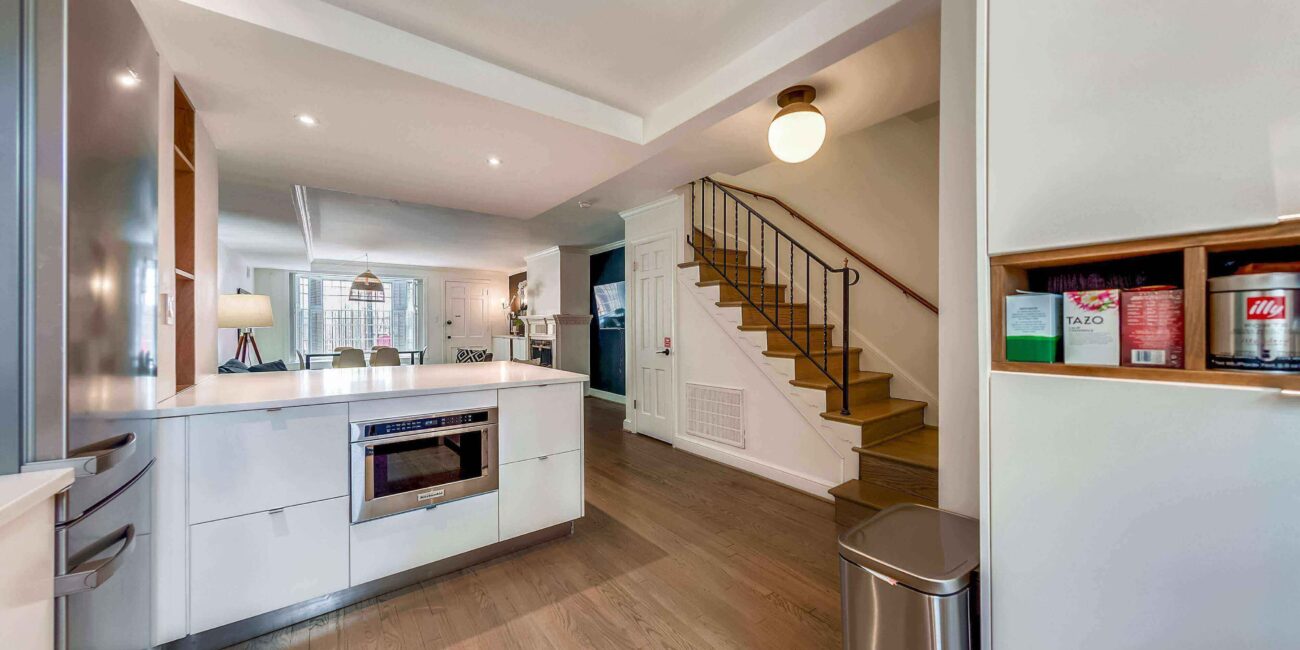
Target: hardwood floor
675,552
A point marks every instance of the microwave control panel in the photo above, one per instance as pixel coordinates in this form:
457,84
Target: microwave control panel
425,423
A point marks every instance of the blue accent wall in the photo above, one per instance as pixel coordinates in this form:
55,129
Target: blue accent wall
607,358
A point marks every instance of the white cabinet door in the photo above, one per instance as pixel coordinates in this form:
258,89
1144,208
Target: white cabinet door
1123,120
249,565
539,420
252,461
382,547
1131,514
540,492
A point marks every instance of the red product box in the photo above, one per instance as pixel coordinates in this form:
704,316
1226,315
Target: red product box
1151,327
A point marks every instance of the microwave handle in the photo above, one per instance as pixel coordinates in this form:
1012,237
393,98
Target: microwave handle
89,574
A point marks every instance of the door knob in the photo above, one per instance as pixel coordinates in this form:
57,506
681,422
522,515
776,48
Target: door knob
665,352
449,322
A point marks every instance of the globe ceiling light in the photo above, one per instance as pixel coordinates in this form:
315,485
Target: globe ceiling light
799,129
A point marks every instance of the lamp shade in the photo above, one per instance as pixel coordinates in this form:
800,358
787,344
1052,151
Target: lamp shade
367,287
799,129
244,310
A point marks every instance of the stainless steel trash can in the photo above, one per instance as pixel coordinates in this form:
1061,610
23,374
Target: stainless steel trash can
906,581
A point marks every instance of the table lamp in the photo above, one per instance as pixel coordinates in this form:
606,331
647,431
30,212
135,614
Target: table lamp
243,312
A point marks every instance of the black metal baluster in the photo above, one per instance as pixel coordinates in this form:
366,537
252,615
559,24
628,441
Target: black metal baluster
844,336
791,290
749,245
713,226
826,334
762,258
725,254
735,230
776,273
807,294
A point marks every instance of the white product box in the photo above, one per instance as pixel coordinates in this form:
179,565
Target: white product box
1092,327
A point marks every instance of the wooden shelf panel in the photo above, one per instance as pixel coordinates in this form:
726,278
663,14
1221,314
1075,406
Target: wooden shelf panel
1219,377
183,163
1010,273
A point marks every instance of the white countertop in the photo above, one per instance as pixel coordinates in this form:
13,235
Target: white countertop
19,492
259,390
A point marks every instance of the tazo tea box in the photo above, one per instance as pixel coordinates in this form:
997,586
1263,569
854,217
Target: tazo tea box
1033,327
1092,327
1152,327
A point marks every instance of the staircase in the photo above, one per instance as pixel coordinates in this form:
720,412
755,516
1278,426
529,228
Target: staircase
783,292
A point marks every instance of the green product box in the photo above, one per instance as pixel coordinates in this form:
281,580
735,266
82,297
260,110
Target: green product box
1034,327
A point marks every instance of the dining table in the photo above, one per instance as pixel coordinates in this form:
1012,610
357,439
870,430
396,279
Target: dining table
417,356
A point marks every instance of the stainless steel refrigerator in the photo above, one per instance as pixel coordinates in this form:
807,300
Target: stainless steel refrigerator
87,243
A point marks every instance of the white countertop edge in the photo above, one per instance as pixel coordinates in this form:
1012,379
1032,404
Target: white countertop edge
223,394
21,492
205,409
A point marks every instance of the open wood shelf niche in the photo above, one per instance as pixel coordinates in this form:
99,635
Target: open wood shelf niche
183,146
1187,261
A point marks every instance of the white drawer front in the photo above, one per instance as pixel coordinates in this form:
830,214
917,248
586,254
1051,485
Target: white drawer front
539,420
382,547
251,461
540,492
245,566
377,409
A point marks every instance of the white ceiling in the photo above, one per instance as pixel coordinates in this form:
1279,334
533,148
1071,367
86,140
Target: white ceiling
631,54
618,101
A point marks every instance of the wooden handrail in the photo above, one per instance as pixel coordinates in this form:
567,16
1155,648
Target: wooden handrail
834,240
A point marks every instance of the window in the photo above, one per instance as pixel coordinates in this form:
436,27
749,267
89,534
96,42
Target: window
324,318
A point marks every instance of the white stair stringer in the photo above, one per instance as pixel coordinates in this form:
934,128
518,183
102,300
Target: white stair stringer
809,403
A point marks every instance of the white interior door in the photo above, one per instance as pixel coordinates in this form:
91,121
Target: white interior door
467,316
652,321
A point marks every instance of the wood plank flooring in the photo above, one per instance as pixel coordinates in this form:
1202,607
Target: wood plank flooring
675,552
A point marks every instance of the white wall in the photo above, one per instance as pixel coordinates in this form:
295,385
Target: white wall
275,342
780,444
233,273
876,190
958,265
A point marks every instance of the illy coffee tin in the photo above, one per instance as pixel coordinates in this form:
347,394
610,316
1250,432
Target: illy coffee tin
1255,322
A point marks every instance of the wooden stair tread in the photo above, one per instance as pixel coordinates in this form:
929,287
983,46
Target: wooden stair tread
694,263
875,496
833,351
768,327
768,306
919,448
855,377
871,412
720,282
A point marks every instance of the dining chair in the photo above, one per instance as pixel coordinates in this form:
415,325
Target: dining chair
385,356
350,358
302,360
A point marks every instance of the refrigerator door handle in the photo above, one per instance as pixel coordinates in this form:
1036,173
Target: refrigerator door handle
91,459
87,574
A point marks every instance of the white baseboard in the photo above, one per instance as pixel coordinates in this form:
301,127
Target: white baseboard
608,397
627,426
802,482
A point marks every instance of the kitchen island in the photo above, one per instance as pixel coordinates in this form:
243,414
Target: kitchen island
281,496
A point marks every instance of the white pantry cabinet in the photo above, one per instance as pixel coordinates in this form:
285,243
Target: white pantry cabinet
250,461
1128,514
539,420
1118,120
245,566
540,492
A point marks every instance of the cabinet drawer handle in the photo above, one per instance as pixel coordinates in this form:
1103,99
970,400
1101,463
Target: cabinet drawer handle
275,511
543,457
274,410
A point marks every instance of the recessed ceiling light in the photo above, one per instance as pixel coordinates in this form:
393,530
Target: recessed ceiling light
494,161
129,78
305,119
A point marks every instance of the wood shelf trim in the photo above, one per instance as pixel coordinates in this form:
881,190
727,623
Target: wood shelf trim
185,274
182,161
1175,375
